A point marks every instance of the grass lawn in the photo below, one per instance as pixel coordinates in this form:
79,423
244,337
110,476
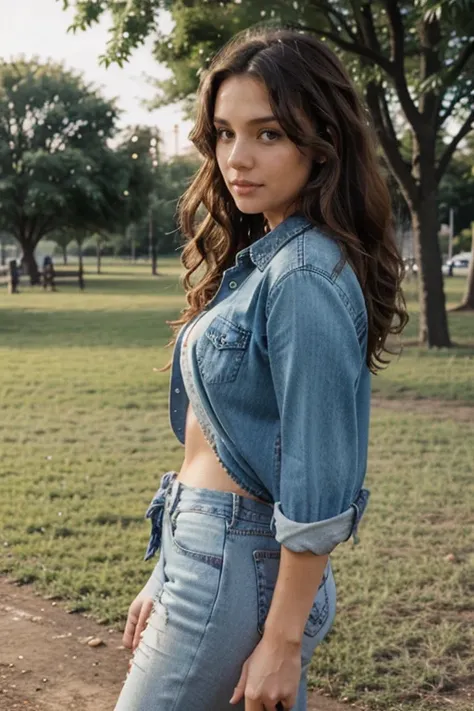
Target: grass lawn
84,439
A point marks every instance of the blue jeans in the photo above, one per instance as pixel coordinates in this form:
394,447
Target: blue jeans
212,590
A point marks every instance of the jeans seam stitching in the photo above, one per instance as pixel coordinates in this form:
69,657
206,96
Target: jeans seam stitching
251,532
212,560
198,647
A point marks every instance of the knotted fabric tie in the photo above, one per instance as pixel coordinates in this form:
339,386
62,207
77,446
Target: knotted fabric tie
360,504
155,512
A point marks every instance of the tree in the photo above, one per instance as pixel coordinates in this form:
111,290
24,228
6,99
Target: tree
456,189
457,192
56,168
7,243
62,238
413,61
467,304
171,180
140,147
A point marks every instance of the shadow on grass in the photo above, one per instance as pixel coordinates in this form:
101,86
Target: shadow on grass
119,284
86,329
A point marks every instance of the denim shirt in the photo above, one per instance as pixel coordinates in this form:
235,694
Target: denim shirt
279,367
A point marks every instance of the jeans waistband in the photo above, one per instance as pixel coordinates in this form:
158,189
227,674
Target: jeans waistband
173,493
225,503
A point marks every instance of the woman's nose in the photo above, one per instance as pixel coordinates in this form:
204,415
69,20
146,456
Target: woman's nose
240,156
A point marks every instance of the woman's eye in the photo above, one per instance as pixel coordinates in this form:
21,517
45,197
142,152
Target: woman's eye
271,136
220,133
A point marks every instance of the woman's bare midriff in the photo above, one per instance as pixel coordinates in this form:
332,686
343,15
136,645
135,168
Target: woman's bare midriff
200,467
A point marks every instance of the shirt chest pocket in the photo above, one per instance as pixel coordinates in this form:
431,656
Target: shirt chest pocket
221,349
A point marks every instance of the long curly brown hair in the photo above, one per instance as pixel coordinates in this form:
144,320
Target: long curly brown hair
346,195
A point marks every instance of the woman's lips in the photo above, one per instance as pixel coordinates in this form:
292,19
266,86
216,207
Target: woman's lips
245,189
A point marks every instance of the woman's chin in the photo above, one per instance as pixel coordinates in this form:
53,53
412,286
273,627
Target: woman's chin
249,207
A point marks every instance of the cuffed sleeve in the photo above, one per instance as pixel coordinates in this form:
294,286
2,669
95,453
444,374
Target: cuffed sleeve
320,537
316,358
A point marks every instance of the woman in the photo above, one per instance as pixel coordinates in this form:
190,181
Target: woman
293,283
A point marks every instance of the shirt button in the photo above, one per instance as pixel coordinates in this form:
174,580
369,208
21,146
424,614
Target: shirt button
232,285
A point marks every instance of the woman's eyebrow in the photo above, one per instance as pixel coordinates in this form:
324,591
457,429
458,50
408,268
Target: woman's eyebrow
261,119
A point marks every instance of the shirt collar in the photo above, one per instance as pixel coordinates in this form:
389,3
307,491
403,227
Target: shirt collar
263,250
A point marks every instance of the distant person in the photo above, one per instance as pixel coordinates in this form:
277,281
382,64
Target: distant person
48,273
298,289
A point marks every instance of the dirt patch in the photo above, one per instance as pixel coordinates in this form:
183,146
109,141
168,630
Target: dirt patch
45,661
47,665
435,409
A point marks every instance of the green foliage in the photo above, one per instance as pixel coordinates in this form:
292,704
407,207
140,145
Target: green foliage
171,180
456,189
203,26
56,167
138,150
463,241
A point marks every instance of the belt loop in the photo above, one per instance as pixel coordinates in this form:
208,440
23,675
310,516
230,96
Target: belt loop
173,493
235,508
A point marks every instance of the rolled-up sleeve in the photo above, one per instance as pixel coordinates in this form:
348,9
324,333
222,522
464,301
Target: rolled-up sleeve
315,355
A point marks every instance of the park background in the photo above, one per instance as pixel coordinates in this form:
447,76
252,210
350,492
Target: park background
84,429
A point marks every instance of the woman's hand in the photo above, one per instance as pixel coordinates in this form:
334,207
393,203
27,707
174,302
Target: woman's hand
138,614
270,675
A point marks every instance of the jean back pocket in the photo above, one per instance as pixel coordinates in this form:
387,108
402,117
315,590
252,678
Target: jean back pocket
267,564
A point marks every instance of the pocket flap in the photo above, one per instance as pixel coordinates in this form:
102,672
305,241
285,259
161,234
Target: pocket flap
225,334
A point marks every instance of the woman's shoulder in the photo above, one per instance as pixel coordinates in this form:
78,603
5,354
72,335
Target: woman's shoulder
317,252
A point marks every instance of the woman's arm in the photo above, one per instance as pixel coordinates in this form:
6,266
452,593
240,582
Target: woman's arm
272,673
315,336
299,577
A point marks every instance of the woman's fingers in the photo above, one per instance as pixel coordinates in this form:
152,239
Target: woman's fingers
142,620
130,626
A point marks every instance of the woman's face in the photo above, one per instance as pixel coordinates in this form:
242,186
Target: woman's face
251,147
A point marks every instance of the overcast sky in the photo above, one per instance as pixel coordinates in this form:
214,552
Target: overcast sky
39,28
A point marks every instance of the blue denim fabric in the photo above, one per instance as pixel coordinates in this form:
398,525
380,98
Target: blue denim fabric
212,590
280,371
155,514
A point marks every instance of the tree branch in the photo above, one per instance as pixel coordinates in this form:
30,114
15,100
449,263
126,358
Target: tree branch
387,119
453,73
354,47
340,17
448,153
457,67
367,20
375,100
397,33
452,105
47,226
31,229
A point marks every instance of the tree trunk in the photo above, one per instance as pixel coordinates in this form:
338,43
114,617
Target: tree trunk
433,327
132,243
64,254
29,261
79,254
467,303
2,253
99,255
151,243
